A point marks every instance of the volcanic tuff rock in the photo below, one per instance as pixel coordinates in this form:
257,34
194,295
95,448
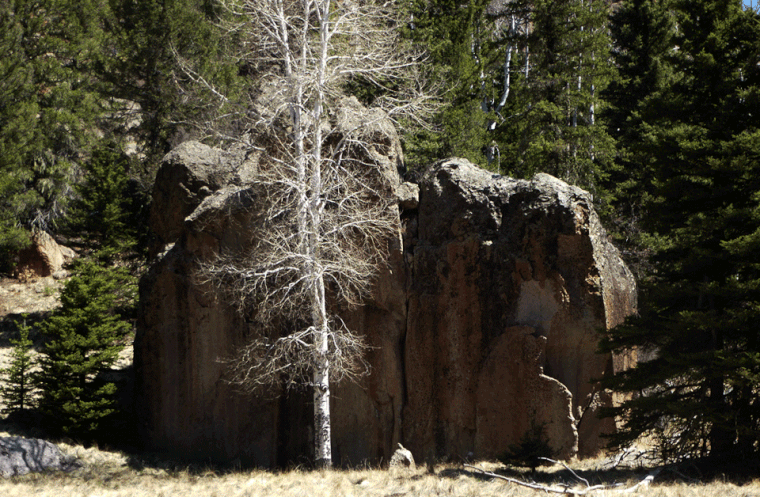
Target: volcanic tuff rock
44,257
485,319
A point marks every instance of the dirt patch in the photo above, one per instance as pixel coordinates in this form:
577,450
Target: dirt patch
32,297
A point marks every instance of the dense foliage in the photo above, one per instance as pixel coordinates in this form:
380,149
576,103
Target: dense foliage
693,140
525,82
48,109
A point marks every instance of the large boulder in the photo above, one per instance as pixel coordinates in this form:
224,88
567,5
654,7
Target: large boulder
19,456
484,322
44,257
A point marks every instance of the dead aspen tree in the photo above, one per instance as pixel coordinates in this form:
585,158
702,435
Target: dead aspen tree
329,211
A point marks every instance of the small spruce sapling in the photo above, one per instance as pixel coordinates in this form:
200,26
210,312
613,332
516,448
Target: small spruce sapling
17,388
533,446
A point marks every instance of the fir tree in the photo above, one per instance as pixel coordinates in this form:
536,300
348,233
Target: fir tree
453,34
643,32
102,210
696,391
17,389
176,64
48,110
83,338
555,124
532,449
526,81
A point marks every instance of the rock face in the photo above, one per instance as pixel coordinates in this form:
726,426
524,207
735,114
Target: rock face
485,320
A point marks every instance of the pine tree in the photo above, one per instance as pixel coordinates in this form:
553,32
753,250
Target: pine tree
555,125
82,339
454,35
176,64
695,392
643,32
17,388
526,81
48,110
101,211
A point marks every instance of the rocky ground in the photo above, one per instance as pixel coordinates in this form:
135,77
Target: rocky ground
38,295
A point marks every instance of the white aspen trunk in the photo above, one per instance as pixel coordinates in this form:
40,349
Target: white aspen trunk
287,276
580,85
592,106
507,66
322,434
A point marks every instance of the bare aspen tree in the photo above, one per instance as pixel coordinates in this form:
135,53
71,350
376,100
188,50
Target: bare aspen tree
329,211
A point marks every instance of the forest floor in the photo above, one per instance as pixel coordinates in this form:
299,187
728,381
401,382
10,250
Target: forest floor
106,472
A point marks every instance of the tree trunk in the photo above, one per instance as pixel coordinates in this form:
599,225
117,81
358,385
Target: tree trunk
322,436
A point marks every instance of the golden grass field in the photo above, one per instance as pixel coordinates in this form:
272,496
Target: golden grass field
111,474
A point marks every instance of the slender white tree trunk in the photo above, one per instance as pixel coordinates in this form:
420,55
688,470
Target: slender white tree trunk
322,435
507,65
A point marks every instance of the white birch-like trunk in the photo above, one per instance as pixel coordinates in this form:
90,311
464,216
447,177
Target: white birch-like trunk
303,251
322,436
507,66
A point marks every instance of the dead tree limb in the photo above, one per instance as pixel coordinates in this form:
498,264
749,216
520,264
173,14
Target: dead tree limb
566,489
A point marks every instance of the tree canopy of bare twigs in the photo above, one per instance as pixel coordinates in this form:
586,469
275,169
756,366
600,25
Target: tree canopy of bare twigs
328,209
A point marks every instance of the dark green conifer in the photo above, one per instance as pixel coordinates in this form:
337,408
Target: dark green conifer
82,339
101,212
696,391
48,111
17,388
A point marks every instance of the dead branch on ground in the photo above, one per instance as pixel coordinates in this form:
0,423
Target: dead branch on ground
566,489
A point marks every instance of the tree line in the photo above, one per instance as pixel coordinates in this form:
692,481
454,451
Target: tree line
652,105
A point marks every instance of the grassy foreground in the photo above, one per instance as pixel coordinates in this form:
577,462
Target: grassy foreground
111,474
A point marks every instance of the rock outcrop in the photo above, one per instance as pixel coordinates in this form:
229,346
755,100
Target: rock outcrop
485,320
44,257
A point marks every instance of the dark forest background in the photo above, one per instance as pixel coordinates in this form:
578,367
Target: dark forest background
651,105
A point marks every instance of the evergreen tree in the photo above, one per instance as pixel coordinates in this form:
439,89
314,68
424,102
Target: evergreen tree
696,392
526,81
532,449
171,58
17,388
48,110
643,32
101,212
453,34
83,338
560,131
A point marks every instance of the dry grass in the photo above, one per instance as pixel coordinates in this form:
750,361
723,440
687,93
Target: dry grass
112,474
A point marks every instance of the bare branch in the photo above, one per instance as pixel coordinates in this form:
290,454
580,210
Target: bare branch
562,489
326,212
